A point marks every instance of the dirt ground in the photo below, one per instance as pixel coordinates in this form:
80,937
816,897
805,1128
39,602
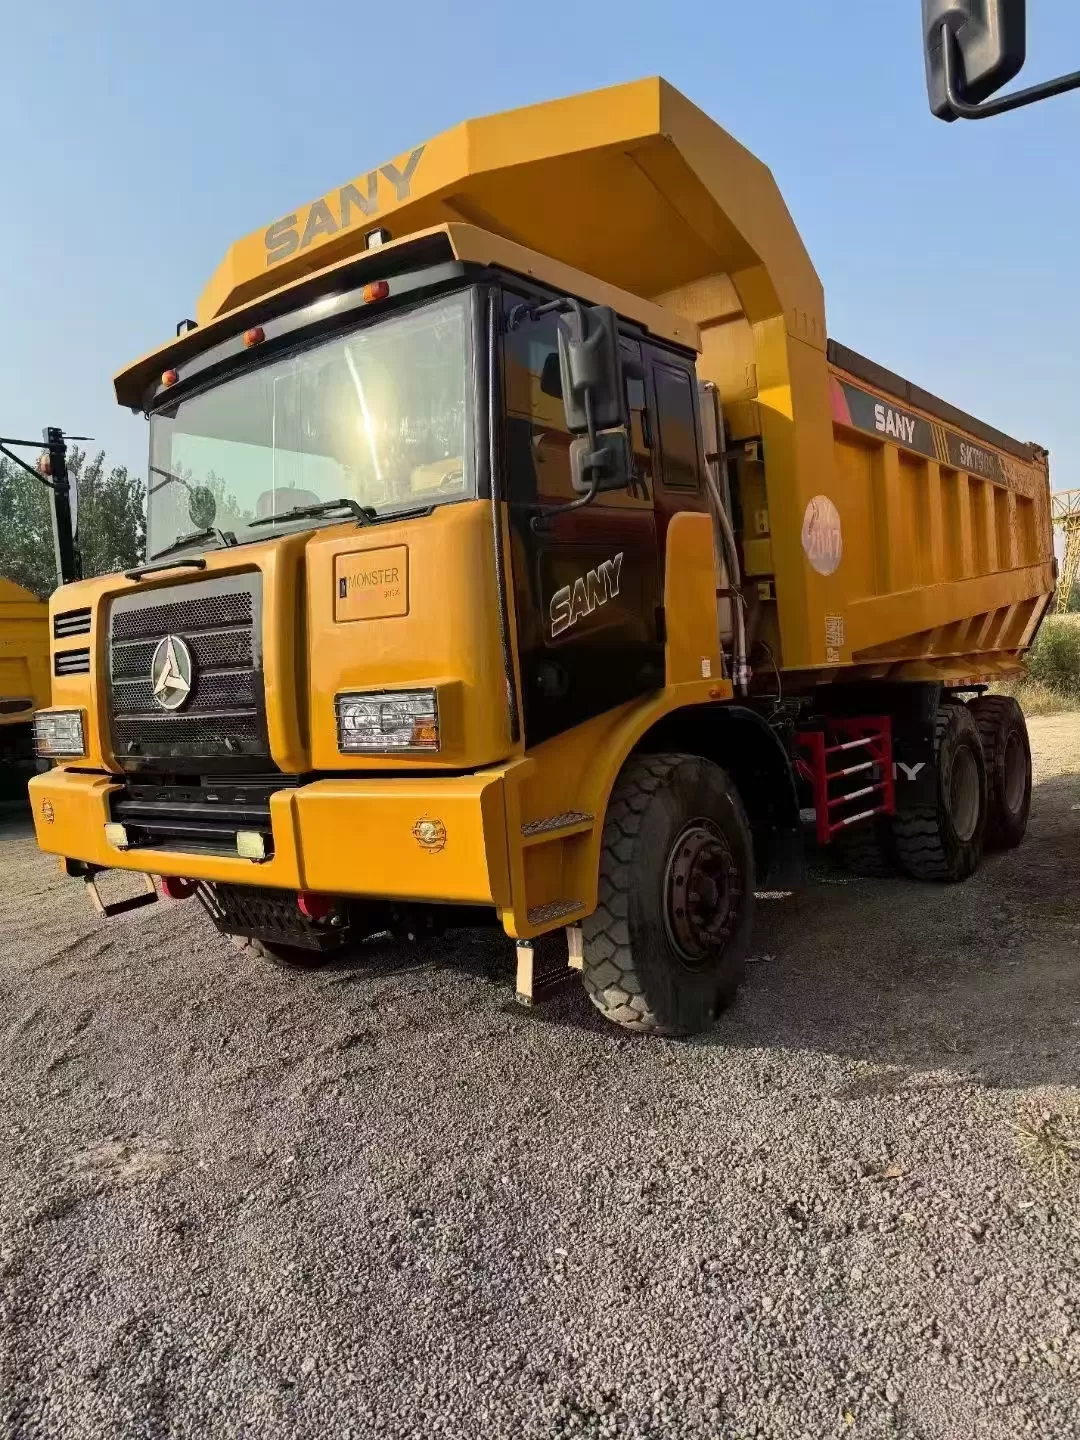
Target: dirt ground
382,1200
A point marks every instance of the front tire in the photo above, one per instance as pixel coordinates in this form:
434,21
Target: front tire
943,840
664,951
1007,752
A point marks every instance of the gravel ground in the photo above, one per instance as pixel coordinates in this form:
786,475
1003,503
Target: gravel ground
384,1201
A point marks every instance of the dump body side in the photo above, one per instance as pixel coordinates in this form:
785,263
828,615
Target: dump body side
950,559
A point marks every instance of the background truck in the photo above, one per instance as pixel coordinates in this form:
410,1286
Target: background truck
24,674
520,548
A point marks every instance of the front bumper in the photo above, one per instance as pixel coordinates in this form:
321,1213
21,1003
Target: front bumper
363,837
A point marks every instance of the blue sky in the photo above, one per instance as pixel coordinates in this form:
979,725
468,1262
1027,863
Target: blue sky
140,140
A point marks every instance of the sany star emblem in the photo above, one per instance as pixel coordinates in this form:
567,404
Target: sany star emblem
170,672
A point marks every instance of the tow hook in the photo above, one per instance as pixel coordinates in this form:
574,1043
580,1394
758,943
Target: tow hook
175,888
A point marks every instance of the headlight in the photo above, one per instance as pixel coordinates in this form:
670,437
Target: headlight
59,733
390,720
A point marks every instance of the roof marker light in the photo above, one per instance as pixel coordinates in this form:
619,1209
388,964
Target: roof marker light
255,336
376,290
169,377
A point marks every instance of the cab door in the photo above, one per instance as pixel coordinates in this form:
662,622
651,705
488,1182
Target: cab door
586,583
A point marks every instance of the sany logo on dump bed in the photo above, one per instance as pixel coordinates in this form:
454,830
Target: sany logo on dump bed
587,594
895,422
285,237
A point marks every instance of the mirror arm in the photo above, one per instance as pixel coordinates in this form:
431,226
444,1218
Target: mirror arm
545,512
18,460
966,111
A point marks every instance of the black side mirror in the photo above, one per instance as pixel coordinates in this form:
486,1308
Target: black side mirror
608,466
592,385
972,48
551,377
988,39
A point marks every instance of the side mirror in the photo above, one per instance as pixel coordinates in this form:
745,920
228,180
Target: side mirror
989,46
589,368
551,377
607,467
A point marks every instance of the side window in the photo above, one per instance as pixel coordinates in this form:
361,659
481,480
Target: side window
679,463
538,441
639,435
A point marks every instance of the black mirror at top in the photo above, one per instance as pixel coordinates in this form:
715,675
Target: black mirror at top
988,39
589,369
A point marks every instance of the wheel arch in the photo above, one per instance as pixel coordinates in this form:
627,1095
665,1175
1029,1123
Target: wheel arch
744,744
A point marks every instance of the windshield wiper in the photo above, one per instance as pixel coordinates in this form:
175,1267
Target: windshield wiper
225,539
363,513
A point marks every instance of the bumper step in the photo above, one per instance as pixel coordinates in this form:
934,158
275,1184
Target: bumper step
120,907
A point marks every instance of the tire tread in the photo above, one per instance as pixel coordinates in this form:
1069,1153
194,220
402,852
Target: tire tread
611,979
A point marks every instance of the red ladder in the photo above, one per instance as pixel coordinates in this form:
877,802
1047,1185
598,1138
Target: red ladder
867,742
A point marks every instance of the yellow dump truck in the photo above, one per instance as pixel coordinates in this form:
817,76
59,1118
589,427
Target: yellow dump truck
24,670
521,549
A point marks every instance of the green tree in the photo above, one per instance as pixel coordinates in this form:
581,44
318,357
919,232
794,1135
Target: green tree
112,521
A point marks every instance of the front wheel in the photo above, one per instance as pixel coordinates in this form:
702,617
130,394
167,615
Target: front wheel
665,949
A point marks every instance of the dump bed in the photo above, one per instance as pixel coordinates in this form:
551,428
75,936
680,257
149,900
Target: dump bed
24,654
882,529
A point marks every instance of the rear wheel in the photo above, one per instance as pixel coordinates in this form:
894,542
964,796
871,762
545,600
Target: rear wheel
1007,752
943,840
285,957
868,850
665,949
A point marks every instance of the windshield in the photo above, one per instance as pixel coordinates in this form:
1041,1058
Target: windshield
381,416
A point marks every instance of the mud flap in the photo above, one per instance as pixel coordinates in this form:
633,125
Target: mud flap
543,967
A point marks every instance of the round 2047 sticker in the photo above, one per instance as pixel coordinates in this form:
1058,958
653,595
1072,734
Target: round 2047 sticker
822,537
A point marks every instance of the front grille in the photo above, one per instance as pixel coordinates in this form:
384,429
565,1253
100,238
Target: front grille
197,816
70,623
222,719
193,612
211,649
71,662
216,691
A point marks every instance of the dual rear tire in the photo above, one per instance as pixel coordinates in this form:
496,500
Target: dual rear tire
982,770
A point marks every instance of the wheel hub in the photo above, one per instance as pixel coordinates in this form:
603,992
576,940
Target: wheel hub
964,794
1015,774
702,892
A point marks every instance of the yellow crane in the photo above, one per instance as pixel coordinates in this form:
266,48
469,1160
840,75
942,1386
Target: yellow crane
1065,510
